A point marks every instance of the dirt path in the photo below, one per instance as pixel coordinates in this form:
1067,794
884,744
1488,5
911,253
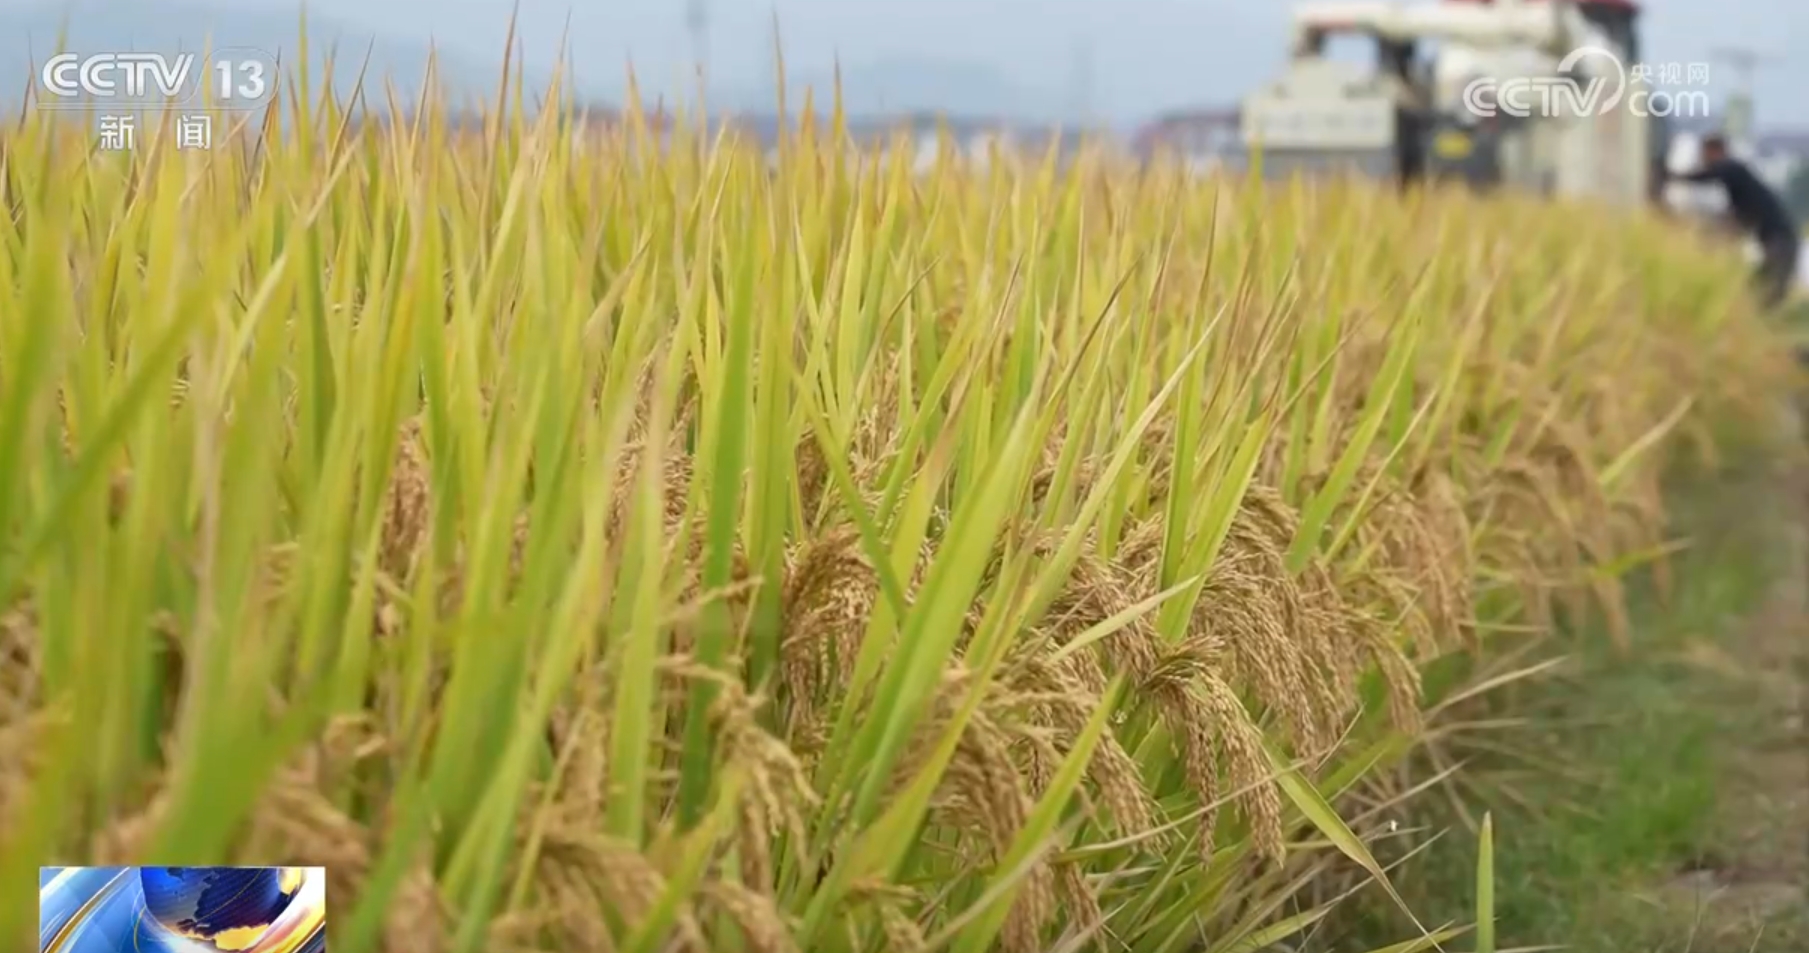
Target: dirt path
1750,892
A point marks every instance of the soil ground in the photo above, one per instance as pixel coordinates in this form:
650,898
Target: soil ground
1747,889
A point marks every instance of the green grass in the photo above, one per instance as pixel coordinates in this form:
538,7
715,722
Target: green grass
1640,741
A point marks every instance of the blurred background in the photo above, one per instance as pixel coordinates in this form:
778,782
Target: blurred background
1142,74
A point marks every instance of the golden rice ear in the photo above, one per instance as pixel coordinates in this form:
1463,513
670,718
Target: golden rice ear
1253,606
19,675
829,593
983,792
757,917
779,796
418,920
902,933
129,834
1053,703
584,871
675,472
812,475
407,505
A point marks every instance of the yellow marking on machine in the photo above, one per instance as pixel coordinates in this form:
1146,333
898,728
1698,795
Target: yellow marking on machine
1452,144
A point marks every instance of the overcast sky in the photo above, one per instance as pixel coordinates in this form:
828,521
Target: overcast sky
1145,55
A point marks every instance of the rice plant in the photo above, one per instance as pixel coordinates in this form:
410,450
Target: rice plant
601,538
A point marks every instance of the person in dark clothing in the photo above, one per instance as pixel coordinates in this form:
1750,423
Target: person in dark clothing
1758,211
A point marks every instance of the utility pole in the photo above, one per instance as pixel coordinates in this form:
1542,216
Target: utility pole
697,23
1741,125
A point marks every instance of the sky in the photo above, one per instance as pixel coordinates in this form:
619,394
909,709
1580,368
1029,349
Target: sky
1142,56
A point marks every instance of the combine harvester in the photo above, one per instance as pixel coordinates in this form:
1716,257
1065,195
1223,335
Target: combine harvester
1485,109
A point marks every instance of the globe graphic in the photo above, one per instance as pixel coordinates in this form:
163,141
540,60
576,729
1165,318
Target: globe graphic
226,908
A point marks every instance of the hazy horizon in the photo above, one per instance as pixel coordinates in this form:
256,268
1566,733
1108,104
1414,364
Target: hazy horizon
1122,61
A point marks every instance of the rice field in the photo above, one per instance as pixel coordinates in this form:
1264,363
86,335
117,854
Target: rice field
579,541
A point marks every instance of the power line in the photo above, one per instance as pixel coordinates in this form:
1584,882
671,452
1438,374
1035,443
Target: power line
1741,106
697,23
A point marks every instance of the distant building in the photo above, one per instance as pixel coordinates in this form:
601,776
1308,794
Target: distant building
1202,138
975,137
1789,140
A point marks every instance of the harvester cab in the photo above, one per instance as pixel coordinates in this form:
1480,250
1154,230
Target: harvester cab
1483,108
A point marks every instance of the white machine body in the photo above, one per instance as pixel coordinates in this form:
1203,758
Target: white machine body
1601,151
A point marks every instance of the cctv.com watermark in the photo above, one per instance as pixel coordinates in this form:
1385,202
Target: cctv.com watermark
1594,82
